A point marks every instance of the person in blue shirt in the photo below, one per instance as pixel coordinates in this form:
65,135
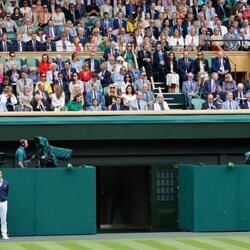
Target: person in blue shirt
4,191
20,157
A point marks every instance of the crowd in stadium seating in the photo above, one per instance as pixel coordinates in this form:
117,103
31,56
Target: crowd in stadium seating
138,39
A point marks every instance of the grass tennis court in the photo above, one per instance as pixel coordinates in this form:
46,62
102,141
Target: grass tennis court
190,243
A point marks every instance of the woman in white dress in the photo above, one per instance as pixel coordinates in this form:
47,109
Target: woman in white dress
176,41
59,17
129,96
57,98
172,77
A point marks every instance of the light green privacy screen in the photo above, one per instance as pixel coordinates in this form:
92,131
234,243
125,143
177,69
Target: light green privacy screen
51,201
214,198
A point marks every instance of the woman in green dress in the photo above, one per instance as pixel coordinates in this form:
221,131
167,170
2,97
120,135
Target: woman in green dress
76,103
129,55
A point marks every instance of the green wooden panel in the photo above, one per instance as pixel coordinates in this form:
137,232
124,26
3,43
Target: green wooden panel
51,201
21,202
215,198
220,198
185,201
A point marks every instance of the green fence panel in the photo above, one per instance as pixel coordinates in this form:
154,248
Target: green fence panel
51,201
217,196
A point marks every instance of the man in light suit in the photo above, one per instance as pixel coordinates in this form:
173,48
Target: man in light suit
221,65
148,96
139,83
138,103
211,84
230,104
190,90
21,83
63,45
24,105
94,94
231,40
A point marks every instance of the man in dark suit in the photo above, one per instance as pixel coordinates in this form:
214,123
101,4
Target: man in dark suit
145,7
154,29
73,14
94,64
18,45
106,23
221,65
39,104
14,74
246,105
119,22
211,84
118,105
64,86
240,94
49,45
209,104
59,63
68,72
111,37
33,44
196,8
185,65
104,75
130,8
81,8
153,11
181,27
145,60
112,50
160,60
41,99
5,45
221,10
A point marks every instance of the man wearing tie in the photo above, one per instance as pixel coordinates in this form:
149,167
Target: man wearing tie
18,44
246,105
23,82
118,105
230,104
138,103
211,85
185,65
209,104
33,44
148,96
4,44
240,94
221,65
190,90
95,94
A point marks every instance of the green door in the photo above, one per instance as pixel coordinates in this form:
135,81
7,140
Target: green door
164,210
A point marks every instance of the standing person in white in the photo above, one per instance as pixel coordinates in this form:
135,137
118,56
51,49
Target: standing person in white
4,191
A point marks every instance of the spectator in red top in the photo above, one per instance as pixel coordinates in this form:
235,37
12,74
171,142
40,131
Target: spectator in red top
44,64
85,74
